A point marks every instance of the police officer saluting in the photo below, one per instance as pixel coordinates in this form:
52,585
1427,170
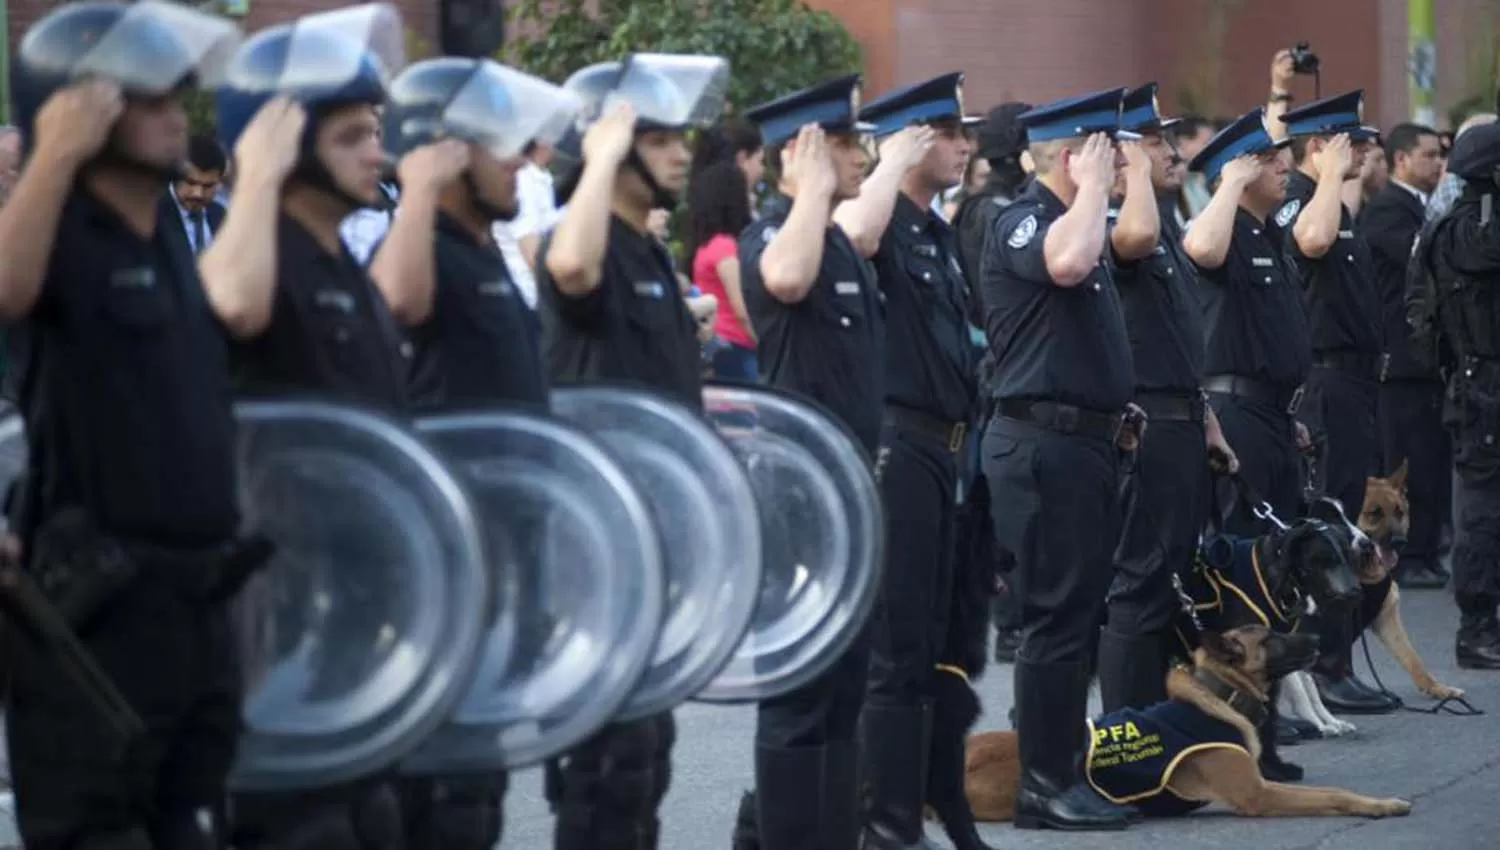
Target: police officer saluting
1053,451
820,327
611,309
1167,500
930,367
458,127
1462,255
302,311
1258,350
126,397
1329,146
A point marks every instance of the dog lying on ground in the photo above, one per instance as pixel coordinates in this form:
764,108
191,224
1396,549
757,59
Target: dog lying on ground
1198,747
1383,520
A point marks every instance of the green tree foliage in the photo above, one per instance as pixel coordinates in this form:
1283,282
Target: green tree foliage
773,46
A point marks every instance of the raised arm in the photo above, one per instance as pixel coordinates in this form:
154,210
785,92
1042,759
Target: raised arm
1138,225
865,218
1075,241
1207,242
790,262
575,254
404,268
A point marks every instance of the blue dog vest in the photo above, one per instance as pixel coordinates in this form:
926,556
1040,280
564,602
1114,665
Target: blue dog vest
1132,753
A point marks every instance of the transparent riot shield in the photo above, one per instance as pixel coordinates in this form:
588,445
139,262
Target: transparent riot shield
360,636
822,534
572,537
706,512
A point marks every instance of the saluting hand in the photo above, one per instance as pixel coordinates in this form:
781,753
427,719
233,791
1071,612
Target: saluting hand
811,168
609,140
1335,157
1094,164
269,148
1241,171
1137,161
433,166
76,121
908,147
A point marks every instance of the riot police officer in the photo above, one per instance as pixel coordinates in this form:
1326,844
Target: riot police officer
1338,275
611,309
929,406
130,492
1258,349
1461,254
1167,500
446,281
1053,450
309,318
819,325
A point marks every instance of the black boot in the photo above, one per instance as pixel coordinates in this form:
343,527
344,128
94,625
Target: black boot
1334,669
954,715
789,797
843,815
1051,702
1272,766
1132,670
896,746
1478,643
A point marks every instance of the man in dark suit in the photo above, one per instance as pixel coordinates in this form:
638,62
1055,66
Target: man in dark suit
1411,395
195,192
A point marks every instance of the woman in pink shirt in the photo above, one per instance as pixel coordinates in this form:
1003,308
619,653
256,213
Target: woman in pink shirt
719,208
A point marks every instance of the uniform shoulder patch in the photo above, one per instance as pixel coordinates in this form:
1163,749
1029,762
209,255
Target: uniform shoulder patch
1024,232
1288,212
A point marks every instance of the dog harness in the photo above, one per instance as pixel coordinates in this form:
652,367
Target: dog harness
1132,753
1233,590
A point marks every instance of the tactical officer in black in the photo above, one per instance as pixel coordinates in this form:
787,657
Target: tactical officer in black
476,340
1452,295
1343,309
820,327
612,310
1167,500
309,319
129,501
1258,350
930,383
1053,450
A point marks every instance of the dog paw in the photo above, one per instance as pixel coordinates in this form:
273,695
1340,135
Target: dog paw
1391,808
1344,727
1441,691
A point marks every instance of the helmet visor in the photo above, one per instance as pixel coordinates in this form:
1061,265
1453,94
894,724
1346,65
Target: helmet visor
324,51
671,90
503,110
154,46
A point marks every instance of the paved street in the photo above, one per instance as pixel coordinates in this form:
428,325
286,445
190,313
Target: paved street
1449,766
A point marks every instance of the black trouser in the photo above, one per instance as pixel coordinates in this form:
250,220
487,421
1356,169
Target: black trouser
453,812
1476,546
606,793
364,815
1339,412
1412,431
1263,440
171,655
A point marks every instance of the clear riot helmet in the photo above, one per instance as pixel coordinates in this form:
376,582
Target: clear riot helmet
325,62
497,108
667,91
150,49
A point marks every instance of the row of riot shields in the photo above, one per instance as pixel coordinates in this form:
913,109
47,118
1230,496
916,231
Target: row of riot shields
485,590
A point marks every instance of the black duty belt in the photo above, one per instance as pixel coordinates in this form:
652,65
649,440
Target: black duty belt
1064,418
950,434
1353,363
1172,407
1281,398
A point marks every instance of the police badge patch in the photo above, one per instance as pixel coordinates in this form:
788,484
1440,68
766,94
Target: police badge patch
1285,215
1022,235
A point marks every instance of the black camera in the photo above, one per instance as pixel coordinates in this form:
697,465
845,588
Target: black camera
1304,61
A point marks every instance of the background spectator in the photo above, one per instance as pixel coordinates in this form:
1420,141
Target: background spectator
719,208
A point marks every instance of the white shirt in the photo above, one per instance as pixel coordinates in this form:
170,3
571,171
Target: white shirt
537,214
190,226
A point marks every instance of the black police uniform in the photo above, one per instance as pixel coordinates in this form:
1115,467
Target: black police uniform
127,405
828,347
1063,378
1411,392
330,334
1166,501
479,347
1463,253
634,327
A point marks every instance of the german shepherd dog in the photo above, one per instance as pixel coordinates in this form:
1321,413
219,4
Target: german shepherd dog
1198,747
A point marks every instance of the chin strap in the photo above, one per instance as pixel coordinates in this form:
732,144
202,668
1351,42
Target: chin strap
487,209
660,198
1251,707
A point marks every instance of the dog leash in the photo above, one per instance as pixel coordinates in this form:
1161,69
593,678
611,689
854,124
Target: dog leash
1442,706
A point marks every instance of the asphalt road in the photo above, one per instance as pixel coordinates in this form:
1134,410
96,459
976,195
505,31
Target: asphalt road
1448,766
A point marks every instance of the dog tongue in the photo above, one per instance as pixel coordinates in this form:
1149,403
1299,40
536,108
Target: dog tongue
1386,557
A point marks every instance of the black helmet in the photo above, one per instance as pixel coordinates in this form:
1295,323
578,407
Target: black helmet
1003,135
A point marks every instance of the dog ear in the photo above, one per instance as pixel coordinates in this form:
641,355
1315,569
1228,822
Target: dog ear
1222,648
1398,478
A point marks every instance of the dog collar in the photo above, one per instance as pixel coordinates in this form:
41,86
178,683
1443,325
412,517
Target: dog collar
1250,707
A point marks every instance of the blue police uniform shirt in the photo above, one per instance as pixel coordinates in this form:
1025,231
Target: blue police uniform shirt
1253,314
1163,315
830,346
930,362
1133,753
1062,344
1343,305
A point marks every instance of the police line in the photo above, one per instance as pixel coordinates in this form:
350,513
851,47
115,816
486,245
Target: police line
485,590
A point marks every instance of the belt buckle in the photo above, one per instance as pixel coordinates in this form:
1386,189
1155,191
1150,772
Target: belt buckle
1296,403
956,437
1385,367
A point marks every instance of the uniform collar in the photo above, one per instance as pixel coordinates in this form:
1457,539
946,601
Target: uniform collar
908,215
1049,200
447,225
